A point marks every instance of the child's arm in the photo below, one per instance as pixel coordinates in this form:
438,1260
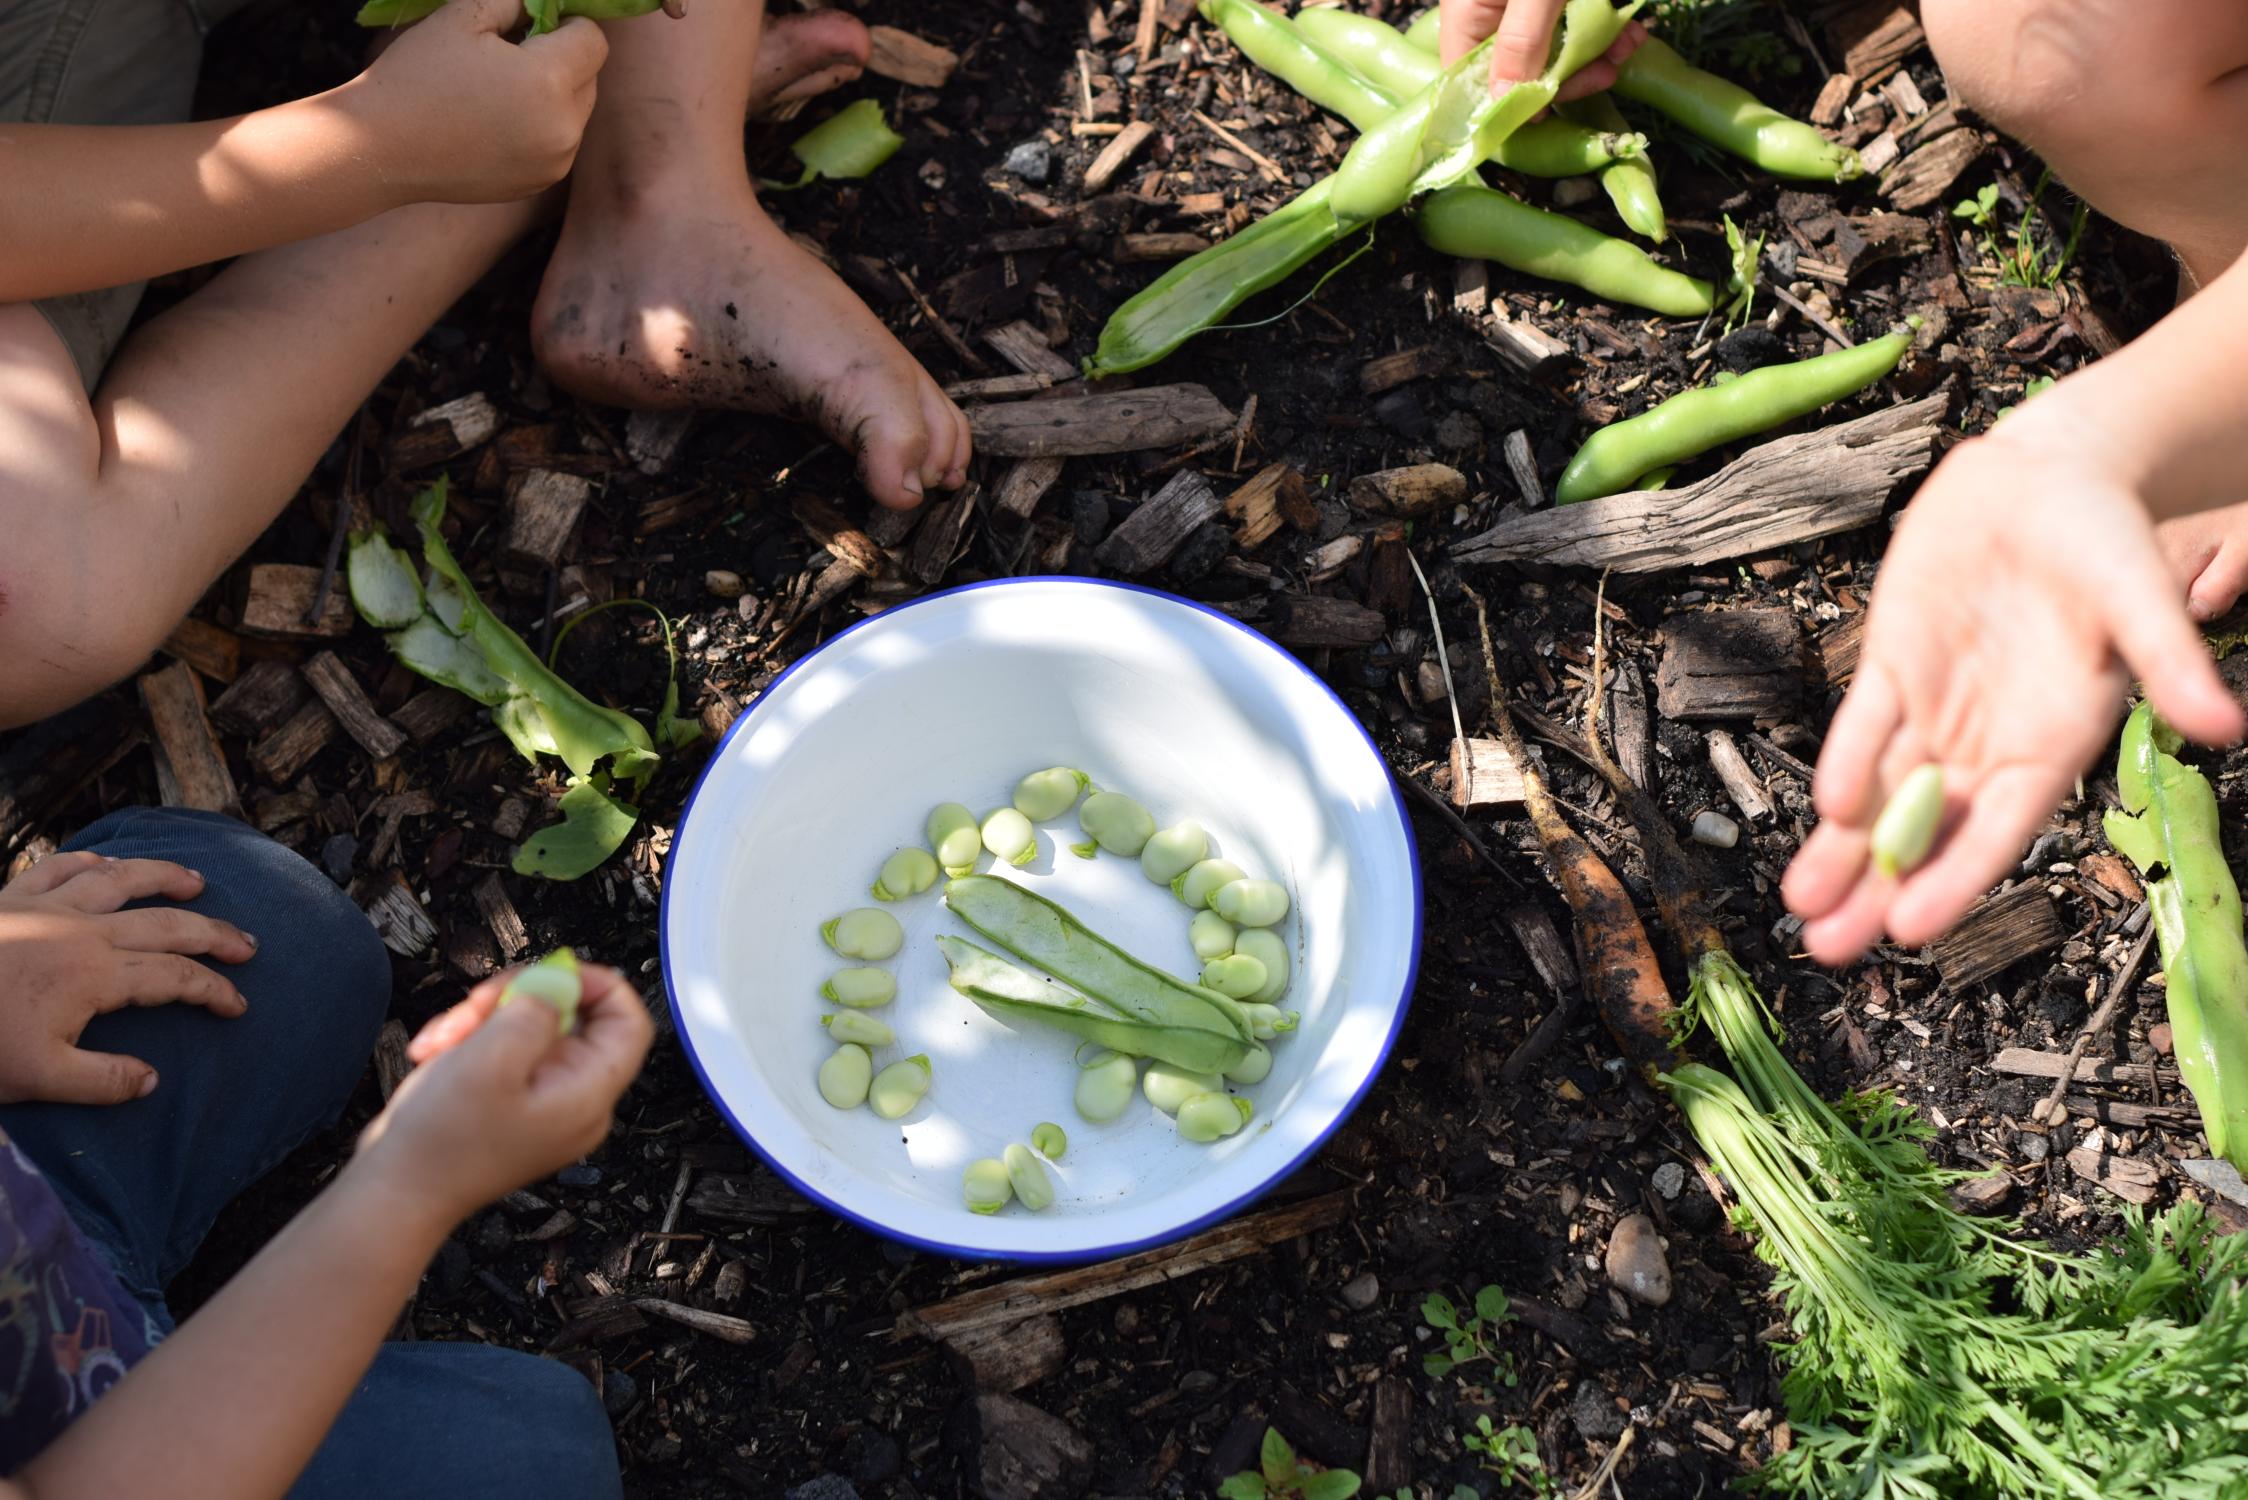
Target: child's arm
453,112
233,1405
2022,593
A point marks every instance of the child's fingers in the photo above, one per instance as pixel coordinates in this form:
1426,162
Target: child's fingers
612,1039
1525,41
2159,643
1846,786
1589,79
508,1046
2008,806
1843,934
484,17
111,883
448,1029
72,1075
578,46
1825,870
172,929
1463,23
52,872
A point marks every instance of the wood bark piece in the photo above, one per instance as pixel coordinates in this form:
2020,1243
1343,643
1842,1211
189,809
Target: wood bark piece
1741,782
501,917
1524,349
1255,509
1838,648
892,53
2131,1180
432,711
1874,36
189,747
1160,526
1925,177
1008,1359
1157,245
1632,726
279,595
1024,485
266,693
1389,1452
1412,491
1522,464
348,701
1026,349
405,928
1484,776
1834,97
759,1199
282,754
1308,620
391,1063
840,536
1015,1451
212,650
1998,932
938,542
543,511
1730,664
652,439
1160,416
1116,156
1053,1291
1389,371
1790,490
444,432
2028,1062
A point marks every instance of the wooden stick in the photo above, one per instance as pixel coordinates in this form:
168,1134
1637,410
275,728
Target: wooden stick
2052,1107
945,330
1265,164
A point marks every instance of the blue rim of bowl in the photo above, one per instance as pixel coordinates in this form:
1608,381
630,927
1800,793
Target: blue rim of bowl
1045,1257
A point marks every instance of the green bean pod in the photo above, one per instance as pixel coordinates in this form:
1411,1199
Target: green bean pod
1629,181
1422,35
861,988
1375,50
1014,994
555,980
545,14
1486,225
1693,422
1727,115
1278,45
954,836
986,1186
899,1087
1168,1087
906,873
1906,829
1213,1116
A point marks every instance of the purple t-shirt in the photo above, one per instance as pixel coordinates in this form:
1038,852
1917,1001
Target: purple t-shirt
68,1330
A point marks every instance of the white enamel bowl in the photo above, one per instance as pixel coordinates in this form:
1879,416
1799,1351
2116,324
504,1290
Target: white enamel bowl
952,698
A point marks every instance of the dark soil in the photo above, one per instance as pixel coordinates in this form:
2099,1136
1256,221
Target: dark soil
1457,1179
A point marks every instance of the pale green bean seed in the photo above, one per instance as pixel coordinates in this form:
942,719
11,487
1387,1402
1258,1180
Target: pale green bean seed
1028,1178
861,989
1236,975
1255,1066
1049,1140
1045,795
859,1027
1907,827
1116,823
1264,945
1167,1087
1251,903
1197,885
1009,836
953,835
1174,851
1105,1085
845,1076
1267,1021
899,1087
1211,935
986,1187
869,933
1213,1116
908,872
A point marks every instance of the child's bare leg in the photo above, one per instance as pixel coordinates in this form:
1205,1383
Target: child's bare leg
672,288
2140,106
121,511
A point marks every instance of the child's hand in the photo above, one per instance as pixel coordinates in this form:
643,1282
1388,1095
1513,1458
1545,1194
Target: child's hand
1525,31
463,115
68,954
499,1099
2022,590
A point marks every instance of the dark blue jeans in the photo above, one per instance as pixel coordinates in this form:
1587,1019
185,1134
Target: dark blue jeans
145,1180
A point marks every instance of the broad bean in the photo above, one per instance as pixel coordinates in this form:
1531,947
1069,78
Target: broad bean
555,980
1116,823
1174,851
1105,1086
859,1027
1211,935
1213,1116
900,1086
1009,836
861,988
908,872
869,933
955,838
1197,885
1250,903
1167,1087
1049,1140
1028,1178
1253,1068
1267,1021
1906,829
845,1077
986,1186
1236,975
1045,795
1265,946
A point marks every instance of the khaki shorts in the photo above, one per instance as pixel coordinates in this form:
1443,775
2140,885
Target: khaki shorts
100,62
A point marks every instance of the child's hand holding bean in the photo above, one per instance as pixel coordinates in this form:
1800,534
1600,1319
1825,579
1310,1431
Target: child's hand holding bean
1525,37
456,113
501,1099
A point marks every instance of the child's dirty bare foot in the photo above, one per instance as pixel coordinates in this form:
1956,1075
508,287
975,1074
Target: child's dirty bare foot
802,57
2209,553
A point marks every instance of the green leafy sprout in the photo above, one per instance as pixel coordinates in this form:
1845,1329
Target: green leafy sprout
1511,1453
1280,1473
1467,1337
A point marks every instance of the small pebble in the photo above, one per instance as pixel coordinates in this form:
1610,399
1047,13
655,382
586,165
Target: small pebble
1203,550
2158,1037
2035,1148
823,1487
618,1392
1401,412
1127,1321
337,856
1670,1178
1593,1413
1197,1383
1457,432
1362,1291
1088,516
1716,830
1032,161
723,584
1636,1263
579,1175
